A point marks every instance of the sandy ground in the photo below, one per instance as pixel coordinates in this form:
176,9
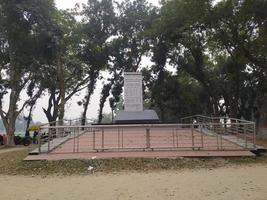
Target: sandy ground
222,184
6,150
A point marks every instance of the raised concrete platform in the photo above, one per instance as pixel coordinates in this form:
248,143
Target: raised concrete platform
138,154
137,117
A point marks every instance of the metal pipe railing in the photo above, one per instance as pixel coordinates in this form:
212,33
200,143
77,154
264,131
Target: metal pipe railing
201,136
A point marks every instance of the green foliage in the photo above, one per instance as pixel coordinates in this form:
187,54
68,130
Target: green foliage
24,24
215,43
218,51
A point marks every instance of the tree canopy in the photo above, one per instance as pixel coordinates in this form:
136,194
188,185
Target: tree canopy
217,50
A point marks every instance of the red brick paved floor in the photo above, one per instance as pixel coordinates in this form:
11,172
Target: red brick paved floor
169,139
136,138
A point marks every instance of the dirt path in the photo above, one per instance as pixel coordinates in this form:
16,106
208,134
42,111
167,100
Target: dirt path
220,184
6,150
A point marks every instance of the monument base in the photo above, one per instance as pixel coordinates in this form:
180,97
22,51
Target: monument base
137,117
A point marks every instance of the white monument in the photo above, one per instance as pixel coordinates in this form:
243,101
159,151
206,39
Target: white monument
133,92
134,112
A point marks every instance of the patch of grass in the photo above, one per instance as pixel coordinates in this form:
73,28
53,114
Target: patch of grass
11,163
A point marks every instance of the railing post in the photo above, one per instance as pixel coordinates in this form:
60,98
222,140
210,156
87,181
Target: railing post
192,132
93,139
39,141
218,145
202,139
122,138
119,138
48,144
173,138
225,125
177,140
102,139
221,142
254,135
78,139
148,138
74,138
246,138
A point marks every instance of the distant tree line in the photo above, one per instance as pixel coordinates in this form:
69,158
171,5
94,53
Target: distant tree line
217,50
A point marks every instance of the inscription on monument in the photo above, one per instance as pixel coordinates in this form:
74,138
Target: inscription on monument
133,93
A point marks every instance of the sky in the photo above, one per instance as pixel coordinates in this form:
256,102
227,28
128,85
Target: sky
73,111
64,4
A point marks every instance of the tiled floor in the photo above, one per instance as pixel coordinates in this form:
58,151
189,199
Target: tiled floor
165,143
181,139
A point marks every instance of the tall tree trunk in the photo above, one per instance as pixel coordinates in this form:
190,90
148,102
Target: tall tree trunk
51,118
60,74
112,115
162,113
32,103
262,118
262,123
90,91
86,104
51,112
10,118
10,129
100,114
29,118
104,95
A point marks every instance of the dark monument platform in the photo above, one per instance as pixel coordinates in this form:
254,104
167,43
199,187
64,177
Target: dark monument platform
137,117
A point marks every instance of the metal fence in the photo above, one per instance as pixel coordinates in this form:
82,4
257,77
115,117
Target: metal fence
240,131
67,122
200,133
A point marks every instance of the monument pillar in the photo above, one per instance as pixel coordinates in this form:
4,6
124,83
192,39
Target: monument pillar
133,92
134,112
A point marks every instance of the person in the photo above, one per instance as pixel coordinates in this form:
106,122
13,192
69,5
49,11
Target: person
27,139
35,135
27,133
1,140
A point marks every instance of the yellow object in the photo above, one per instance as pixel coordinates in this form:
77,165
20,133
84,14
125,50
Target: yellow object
33,128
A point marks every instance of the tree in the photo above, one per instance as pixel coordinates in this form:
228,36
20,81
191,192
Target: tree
33,99
176,96
240,29
22,26
214,44
184,27
99,23
65,74
103,97
129,45
116,97
112,107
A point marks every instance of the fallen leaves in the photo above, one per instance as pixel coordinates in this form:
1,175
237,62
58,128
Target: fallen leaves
12,163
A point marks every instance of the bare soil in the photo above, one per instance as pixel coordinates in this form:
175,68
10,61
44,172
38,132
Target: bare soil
12,163
239,183
262,142
157,179
8,149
